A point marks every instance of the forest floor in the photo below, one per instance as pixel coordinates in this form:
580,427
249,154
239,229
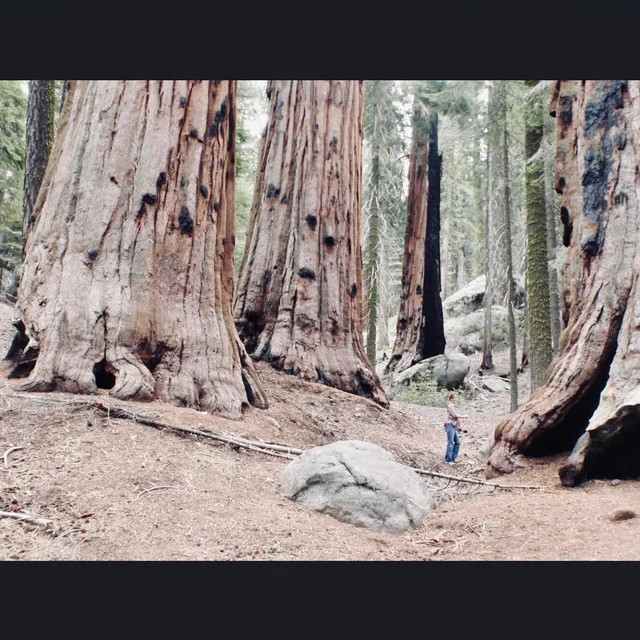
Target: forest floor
115,489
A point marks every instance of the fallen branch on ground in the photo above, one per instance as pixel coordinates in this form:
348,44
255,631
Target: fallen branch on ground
7,452
279,451
154,489
435,474
26,517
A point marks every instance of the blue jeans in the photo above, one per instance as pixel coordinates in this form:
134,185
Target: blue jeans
453,443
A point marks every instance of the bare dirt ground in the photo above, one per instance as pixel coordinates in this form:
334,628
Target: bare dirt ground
118,490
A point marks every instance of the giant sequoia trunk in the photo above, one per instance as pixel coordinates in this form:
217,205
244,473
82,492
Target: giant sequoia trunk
591,401
128,277
420,327
299,300
40,119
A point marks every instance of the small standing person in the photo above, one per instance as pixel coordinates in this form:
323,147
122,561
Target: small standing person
452,427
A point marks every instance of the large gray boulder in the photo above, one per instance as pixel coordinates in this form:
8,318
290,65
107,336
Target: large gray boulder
466,333
359,483
448,370
466,300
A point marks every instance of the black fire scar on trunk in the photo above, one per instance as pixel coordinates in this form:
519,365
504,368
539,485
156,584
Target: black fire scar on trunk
307,273
185,221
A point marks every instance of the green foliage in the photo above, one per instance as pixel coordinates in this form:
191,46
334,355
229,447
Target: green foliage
425,392
13,111
252,106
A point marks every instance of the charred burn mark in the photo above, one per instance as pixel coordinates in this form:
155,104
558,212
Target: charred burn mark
418,289
284,199
353,292
312,221
269,92
19,342
322,379
279,108
185,221
337,174
183,102
620,140
329,155
149,198
333,199
620,198
364,386
162,180
560,185
218,119
334,144
565,105
567,224
272,191
591,245
329,242
306,273
594,179
181,122
216,207
267,276
113,179
92,255
349,245
204,191
600,111
151,356
183,182
193,133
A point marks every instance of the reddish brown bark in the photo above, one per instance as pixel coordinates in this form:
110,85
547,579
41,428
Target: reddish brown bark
420,327
128,277
592,395
299,300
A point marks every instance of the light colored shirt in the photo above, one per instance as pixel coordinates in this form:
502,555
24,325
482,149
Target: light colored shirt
453,415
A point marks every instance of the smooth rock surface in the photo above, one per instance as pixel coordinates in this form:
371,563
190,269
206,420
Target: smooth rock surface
359,483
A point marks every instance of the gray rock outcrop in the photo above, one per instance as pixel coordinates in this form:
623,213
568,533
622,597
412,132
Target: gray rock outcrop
448,370
359,483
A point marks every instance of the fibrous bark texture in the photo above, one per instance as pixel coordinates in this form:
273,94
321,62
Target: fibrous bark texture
299,300
592,399
538,313
128,277
40,119
419,336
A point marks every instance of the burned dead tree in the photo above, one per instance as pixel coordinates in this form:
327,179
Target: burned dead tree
299,299
128,277
420,327
591,402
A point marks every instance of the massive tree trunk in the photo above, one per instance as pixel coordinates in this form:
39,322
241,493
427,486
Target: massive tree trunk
40,130
420,329
299,301
128,277
538,311
592,399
